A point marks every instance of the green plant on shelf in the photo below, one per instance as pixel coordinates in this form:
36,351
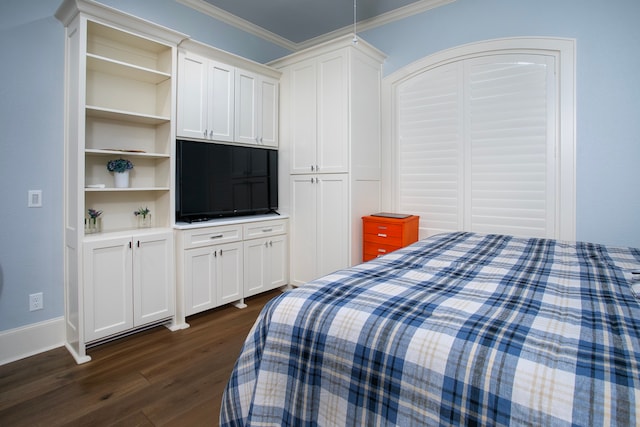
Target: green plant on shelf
142,212
94,214
119,165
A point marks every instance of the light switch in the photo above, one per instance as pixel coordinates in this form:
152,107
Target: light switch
35,199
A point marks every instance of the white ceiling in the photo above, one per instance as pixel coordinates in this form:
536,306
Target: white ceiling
295,24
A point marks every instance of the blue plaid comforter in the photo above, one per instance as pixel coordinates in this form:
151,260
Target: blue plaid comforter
458,328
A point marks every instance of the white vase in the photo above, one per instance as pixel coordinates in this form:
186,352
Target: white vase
121,179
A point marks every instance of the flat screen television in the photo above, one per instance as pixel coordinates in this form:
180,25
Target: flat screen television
215,180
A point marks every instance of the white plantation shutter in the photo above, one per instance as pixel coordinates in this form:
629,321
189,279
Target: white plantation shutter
510,152
476,146
430,147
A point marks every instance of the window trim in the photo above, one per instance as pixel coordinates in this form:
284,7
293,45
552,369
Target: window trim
564,51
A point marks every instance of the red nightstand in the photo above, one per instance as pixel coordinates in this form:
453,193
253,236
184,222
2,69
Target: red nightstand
381,235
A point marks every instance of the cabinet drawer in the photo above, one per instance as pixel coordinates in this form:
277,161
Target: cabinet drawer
211,236
373,250
383,229
383,239
264,228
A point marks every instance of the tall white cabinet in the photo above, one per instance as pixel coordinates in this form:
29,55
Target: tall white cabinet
120,103
330,151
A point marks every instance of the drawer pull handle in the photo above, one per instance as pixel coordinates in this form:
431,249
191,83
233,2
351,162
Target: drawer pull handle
217,236
382,227
382,235
382,251
267,230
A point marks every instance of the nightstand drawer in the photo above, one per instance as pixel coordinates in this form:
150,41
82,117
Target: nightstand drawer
383,229
372,250
383,239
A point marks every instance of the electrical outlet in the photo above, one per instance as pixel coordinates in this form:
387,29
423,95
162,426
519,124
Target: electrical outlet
36,302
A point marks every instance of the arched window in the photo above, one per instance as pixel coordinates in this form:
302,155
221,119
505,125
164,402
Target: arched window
481,139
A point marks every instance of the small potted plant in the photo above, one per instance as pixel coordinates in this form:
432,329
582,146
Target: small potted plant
93,224
144,216
121,168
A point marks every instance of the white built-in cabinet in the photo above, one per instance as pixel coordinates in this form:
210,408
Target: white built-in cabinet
205,99
211,269
330,141
319,117
222,97
266,253
257,103
129,282
320,206
120,90
226,260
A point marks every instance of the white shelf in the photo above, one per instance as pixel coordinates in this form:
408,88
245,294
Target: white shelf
127,116
123,69
129,189
125,232
116,152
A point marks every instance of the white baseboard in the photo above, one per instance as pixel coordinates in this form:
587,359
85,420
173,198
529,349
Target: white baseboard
16,344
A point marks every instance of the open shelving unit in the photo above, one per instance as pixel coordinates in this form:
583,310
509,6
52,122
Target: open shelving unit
128,114
120,84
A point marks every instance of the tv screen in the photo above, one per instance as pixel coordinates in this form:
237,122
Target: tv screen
217,180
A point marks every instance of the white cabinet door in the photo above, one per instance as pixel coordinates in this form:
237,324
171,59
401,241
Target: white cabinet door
256,269
332,149
108,306
205,98
319,225
265,264
332,223
246,107
199,280
229,275
192,121
303,123
320,115
128,282
269,90
256,106
213,276
278,262
153,278
304,214
221,101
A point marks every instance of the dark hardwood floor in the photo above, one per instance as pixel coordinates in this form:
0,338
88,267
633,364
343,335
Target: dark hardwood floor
152,378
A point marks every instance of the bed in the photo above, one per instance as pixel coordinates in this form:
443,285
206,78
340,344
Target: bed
456,329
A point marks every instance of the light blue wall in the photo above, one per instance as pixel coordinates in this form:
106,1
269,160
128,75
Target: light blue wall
31,132
31,117
608,89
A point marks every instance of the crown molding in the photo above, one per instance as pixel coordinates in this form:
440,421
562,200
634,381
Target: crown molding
386,18
69,9
242,24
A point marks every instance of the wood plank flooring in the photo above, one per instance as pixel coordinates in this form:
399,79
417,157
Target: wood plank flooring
153,378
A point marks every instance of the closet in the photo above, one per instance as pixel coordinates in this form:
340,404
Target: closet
330,151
